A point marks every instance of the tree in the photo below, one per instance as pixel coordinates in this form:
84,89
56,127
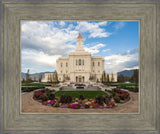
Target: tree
108,78
48,79
27,76
112,78
34,78
135,77
127,78
121,78
51,78
23,80
56,77
40,78
104,77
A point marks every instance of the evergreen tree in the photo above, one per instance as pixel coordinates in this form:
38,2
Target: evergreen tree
121,78
112,78
40,78
135,77
108,78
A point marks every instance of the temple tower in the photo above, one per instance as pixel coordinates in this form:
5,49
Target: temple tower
79,43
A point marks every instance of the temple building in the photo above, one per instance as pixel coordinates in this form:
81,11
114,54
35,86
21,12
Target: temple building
80,66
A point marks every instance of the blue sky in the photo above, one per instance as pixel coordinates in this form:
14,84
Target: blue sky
44,41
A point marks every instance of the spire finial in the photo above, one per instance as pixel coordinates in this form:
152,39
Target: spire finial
79,36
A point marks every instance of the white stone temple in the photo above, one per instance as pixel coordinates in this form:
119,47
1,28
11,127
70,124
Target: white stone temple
80,66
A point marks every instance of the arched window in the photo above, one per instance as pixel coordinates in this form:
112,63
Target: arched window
61,64
93,63
79,61
66,64
98,63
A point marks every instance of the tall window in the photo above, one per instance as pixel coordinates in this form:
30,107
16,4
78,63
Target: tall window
79,61
83,62
98,63
93,63
66,64
76,62
61,64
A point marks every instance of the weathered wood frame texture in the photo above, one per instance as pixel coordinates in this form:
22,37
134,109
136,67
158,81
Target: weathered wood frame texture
144,12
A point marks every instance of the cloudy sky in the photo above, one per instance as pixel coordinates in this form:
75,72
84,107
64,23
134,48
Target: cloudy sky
44,41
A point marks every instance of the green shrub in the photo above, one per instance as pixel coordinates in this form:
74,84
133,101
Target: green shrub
81,97
117,99
65,99
100,100
51,96
112,92
29,89
56,104
43,97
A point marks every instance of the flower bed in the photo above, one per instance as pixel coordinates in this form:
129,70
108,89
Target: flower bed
46,97
120,95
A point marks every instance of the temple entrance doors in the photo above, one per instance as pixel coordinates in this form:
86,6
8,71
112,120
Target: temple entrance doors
76,79
83,78
80,78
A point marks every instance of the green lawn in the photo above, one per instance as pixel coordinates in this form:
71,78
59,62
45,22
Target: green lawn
75,94
122,84
36,84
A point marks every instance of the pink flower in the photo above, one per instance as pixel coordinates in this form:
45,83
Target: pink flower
52,102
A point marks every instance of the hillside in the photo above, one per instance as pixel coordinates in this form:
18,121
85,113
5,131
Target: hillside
128,73
34,76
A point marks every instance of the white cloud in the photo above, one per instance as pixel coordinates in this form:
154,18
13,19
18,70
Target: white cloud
135,67
119,62
105,50
94,49
119,25
62,23
49,39
94,29
33,57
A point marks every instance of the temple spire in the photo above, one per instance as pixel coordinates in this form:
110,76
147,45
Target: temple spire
80,43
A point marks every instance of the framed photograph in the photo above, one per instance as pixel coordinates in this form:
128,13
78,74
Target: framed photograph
80,66
64,69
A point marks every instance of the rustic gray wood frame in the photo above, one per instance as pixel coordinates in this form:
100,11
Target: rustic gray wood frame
146,12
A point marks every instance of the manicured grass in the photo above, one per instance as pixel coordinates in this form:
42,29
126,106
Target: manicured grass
29,89
75,94
122,84
36,84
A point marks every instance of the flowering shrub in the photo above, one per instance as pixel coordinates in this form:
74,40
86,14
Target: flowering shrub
43,97
51,96
80,85
81,97
117,99
65,101
121,95
37,94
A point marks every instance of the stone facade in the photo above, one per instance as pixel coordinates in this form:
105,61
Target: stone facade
80,66
112,77
49,77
